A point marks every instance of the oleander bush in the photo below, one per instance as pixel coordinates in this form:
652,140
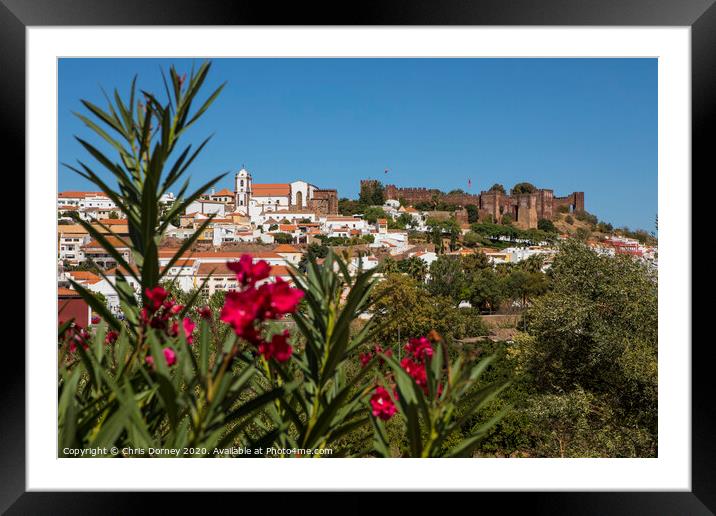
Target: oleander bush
271,364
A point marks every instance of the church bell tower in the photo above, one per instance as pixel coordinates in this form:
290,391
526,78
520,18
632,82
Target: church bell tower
242,190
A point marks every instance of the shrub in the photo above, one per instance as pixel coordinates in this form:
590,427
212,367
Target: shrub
546,225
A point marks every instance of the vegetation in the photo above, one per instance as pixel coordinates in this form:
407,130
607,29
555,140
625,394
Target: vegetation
523,188
372,193
587,365
283,238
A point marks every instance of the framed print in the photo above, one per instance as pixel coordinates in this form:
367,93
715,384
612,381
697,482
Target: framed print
421,244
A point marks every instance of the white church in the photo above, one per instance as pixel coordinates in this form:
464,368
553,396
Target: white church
254,199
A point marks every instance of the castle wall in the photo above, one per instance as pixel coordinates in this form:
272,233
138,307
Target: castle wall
525,209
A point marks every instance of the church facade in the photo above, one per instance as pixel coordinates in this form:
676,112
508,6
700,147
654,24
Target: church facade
255,199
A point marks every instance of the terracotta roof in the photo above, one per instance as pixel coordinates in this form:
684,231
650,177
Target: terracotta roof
116,242
340,219
286,248
79,195
279,270
184,262
68,207
113,222
86,276
71,229
270,189
215,269
66,292
169,252
287,227
382,221
223,193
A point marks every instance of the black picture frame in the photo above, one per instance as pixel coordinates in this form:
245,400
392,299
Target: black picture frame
700,15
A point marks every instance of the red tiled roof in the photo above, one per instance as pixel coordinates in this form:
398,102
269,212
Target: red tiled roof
223,193
86,276
271,189
279,270
286,248
215,269
116,242
66,292
79,195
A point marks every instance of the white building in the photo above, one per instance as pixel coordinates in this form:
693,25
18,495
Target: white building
206,207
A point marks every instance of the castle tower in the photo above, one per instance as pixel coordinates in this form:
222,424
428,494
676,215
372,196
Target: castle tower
242,190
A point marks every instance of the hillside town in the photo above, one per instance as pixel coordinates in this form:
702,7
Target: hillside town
278,222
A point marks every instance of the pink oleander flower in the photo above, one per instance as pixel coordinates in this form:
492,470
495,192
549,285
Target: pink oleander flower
241,309
364,358
420,348
189,326
204,312
247,272
277,348
155,297
382,404
283,299
174,310
111,337
416,371
169,355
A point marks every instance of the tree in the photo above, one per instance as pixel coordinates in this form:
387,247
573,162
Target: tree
373,213
372,193
472,263
546,225
582,234
497,188
523,188
594,337
414,267
472,213
349,207
471,239
283,238
521,285
448,279
507,219
113,214
389,265
313,252
485,290
404,308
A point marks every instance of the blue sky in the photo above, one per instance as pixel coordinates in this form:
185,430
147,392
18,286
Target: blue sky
567,124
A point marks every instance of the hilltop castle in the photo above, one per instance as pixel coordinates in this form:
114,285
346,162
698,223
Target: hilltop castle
526,209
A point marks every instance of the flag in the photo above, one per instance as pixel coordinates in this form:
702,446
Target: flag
469,182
